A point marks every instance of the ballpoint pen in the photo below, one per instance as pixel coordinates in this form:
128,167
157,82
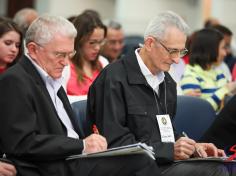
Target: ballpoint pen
196,150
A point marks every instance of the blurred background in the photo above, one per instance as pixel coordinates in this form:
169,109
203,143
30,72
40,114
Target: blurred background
132,14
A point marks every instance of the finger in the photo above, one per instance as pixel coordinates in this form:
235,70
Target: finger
8,168
221,153
186,140
211,147
200,152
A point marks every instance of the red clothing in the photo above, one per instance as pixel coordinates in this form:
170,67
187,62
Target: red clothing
2,70
186,59
76,88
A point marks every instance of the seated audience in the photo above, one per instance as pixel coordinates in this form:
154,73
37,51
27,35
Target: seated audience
10,44
207,51
229,60
114,43
134,100
85,64
37,126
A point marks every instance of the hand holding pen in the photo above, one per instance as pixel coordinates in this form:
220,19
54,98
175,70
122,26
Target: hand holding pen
94,142
184,148
196,150
204,150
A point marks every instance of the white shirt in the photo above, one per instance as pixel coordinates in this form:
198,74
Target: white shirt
153,80
53,85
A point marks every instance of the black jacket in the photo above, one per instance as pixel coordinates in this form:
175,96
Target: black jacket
123,106
31,133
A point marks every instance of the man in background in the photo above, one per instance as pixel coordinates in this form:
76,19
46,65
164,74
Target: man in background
24,17
114,41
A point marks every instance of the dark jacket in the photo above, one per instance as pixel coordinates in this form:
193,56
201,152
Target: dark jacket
123,106
31,133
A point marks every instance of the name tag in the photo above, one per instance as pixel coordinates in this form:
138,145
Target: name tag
166,129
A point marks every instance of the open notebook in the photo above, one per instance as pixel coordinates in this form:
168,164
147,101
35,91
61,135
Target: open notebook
138,148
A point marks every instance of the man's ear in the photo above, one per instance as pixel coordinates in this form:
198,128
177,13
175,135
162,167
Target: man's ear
148,43
32,49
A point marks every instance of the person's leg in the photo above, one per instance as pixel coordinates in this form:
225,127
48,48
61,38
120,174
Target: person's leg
231,166
128,165
196,169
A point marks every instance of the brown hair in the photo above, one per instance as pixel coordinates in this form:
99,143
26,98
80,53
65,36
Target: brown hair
85,25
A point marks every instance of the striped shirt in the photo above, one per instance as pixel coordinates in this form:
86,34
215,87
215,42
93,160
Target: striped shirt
211,83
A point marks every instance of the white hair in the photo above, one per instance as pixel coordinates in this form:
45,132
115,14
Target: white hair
159,24
21,17
45,27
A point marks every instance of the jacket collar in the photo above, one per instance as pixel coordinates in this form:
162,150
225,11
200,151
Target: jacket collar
32,71
134,73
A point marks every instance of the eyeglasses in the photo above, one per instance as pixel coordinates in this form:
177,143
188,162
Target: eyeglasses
60,55
94,43
173,52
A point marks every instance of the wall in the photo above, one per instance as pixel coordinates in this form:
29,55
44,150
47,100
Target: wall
74,7
135,14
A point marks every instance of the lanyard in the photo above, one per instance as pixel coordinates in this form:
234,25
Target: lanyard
155,97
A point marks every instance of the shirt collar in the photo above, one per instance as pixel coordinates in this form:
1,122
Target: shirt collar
145,71
55,83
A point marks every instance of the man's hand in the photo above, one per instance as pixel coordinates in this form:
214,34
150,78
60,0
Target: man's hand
94,143
184,148
208,149
7,169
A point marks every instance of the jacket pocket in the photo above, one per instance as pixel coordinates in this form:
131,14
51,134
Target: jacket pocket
139,122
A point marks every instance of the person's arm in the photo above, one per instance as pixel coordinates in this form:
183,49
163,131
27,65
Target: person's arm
22,121
106,108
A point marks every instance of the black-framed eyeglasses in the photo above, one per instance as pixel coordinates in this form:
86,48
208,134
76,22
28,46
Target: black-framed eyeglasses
58,54
173,52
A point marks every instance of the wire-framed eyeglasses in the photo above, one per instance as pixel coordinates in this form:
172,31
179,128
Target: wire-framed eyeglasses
173,52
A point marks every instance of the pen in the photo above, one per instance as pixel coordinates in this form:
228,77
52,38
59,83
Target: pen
95,129
185,135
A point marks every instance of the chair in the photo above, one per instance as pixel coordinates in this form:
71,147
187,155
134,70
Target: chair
79,108
193,116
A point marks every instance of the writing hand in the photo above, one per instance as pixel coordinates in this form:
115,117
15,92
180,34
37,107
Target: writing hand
184,147
7,169
94,143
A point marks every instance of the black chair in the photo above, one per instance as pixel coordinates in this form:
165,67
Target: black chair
193,116
79,108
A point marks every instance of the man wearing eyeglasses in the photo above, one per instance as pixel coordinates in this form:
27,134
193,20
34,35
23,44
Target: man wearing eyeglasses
38,130
134,100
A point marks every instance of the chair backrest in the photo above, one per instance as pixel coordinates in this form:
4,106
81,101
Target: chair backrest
79,108
193,116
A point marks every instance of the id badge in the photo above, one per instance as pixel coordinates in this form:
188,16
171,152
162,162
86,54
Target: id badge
166,129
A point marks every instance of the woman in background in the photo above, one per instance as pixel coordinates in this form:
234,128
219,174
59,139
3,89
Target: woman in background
207,51
85,65
10,44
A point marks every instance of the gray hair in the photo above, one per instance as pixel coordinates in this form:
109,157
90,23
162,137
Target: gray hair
45,27
159,24
21,18
113,24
